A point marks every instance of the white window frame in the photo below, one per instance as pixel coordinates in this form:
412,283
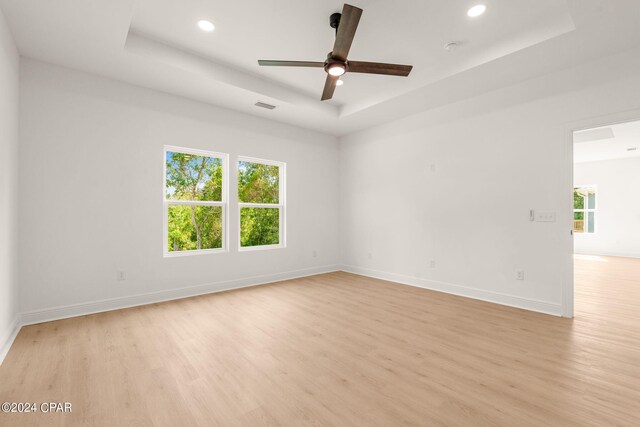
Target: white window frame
282,205
223,203
586,211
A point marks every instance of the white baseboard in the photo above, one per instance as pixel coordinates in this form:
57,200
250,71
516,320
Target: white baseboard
7,338
464,291
92,307
606,253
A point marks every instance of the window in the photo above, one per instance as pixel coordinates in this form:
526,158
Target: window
261,201
584,209
195,201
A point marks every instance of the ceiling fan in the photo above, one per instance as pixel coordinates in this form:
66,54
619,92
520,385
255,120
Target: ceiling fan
336,63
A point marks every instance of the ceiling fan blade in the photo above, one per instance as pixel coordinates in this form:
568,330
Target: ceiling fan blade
270,63
329,87
346,31
379,68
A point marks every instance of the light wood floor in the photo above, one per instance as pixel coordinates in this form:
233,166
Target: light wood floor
343,350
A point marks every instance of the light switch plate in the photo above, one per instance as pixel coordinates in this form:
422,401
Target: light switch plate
545,217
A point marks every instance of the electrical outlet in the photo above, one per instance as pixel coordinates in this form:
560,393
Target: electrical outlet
433,167
519,274
432,263
121,276
369,256
314,254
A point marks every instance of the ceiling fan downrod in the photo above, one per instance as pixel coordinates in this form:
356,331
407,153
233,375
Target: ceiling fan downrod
334,20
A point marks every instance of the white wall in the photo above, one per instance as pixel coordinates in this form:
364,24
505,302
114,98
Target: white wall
91,182
91,170
618,207
495,157
9,65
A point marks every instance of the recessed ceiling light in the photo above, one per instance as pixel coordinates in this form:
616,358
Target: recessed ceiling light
451,46
339,83
206,26
476,10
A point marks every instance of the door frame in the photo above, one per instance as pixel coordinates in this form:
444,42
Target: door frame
569,129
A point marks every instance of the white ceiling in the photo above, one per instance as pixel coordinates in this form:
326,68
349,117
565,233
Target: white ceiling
291,29
597,144
156,44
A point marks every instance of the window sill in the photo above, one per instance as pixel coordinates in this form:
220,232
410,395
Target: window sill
260,248
193,253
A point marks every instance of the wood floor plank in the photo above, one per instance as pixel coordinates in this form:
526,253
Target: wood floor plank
340,349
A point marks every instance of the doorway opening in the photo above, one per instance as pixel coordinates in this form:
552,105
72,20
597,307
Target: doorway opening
606,219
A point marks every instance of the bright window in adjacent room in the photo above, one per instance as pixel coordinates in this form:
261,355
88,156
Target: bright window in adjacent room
261,202
584,209
195,201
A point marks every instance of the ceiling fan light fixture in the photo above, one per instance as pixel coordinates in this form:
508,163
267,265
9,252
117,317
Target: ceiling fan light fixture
476,10
336,69
339,83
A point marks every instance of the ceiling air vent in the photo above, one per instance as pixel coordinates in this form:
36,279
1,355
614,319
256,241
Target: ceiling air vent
265,105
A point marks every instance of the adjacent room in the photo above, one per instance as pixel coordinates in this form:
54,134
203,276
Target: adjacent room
289,213
606,173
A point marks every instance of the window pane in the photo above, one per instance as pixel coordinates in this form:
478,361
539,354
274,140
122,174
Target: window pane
259,226
592,201
578,200
591,222
258,183
191,177
194,227
578,222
